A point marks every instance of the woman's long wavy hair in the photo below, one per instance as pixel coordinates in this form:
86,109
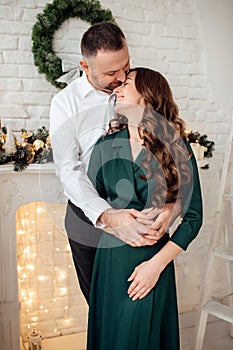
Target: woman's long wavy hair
163,132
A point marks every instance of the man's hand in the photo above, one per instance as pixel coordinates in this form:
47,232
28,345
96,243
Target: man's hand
122,223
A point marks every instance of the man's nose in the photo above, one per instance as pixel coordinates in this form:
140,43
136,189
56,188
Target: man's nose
121,76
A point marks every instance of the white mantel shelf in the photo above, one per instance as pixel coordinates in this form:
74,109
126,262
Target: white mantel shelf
36,183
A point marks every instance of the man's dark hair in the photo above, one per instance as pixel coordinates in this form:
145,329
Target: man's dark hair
102,36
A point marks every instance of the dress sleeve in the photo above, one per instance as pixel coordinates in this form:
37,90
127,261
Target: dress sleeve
192,214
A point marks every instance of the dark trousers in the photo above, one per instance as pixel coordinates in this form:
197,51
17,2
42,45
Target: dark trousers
83,239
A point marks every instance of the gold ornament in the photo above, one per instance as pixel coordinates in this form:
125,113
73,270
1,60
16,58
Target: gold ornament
38,144
48,143
26,135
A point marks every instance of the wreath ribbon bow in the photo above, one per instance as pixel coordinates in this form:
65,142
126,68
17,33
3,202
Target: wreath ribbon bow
72,71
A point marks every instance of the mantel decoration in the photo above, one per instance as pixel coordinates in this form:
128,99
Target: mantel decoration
49,21
35,147
202,147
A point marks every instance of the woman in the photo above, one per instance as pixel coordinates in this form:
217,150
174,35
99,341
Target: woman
146,163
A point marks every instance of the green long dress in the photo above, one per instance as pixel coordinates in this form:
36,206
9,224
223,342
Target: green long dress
115,321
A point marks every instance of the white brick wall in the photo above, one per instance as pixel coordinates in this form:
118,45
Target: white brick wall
164,35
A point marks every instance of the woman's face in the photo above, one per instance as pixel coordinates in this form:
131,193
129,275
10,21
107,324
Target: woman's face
127,93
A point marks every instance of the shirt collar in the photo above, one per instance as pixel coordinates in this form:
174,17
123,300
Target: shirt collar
87,88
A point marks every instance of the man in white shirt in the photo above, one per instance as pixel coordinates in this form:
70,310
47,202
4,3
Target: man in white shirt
79,115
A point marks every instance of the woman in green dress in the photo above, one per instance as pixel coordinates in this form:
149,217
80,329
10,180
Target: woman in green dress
146,163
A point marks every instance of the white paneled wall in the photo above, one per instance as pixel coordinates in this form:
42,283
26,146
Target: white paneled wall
163,35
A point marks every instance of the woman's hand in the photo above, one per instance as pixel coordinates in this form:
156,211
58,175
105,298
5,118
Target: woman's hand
146,275
144,278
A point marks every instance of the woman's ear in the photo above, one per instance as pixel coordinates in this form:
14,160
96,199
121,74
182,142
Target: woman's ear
142,101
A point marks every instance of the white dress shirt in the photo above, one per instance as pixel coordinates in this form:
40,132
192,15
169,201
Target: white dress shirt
79,115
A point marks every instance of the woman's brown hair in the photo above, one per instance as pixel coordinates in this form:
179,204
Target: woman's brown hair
163,132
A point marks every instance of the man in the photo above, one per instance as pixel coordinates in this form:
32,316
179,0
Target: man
79,115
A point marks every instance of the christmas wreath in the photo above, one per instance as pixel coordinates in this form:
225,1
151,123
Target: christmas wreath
49,21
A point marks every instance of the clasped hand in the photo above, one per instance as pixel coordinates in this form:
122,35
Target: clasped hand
138,228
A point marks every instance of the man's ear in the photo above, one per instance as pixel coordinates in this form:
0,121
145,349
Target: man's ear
84,65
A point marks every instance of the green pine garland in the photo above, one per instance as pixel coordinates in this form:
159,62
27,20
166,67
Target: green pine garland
27,152
194,137
48,23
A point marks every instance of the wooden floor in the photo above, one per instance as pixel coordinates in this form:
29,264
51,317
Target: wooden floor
217,336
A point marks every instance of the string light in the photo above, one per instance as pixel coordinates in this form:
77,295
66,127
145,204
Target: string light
20,232
63,290
41,278
34,265
39,210
62,275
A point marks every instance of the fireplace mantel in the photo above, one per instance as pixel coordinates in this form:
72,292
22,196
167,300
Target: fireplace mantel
37,183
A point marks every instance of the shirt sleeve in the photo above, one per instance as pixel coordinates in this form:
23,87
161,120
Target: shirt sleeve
66,154
193,213
95,169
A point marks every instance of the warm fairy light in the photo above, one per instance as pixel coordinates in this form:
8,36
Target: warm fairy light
20,232
26,252
62,275
30,239
39,210
63,290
